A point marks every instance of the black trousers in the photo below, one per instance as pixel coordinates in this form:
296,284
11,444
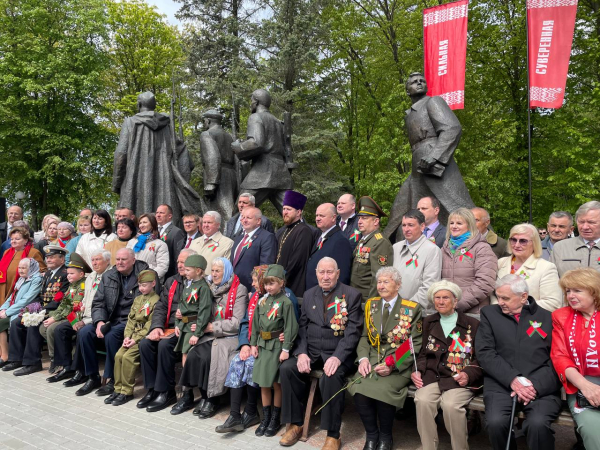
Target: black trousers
63,344
293,390
158,363
539,413
113,340
25,344
371,411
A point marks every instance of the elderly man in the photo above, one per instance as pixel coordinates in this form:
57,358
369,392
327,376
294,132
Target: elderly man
418,260
25,344
332,243
169,233
65,332
190,226
329,329
295,239
582,251
234,228
513,348
373,251
157,350
560,227
347,219
110,309
434,230
254,247
13,214
212,243
482,221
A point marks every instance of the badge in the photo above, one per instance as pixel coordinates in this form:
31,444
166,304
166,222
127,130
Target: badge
382,260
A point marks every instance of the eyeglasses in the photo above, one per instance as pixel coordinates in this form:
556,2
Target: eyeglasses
514,241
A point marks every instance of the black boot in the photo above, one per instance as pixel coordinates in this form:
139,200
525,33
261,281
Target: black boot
275,423
185,402
266,420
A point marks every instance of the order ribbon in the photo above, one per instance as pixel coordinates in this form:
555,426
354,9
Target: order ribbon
354,236
464,253
273,311
336,305
219,312
194,294
457,343
412,261
536,326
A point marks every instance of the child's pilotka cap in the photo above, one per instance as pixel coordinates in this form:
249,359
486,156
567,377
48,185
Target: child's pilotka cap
197,261
275,270
146,276
77,262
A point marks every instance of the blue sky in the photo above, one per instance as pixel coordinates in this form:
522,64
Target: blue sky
168,7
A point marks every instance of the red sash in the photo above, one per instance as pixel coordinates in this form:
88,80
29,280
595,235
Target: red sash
172,290
7,259
231,297
251,308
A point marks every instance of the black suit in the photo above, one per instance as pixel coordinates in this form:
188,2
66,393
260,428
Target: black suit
262,250
316,339
336,246
175,242
231,232
26,342
350,229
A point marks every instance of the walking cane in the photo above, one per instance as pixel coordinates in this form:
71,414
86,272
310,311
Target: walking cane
512,419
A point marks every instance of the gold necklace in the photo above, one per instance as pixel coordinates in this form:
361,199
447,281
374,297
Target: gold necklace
285,236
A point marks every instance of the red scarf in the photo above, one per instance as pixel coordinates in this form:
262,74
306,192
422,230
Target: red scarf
171,296
231,297
7,259
584,344
251,309
63,242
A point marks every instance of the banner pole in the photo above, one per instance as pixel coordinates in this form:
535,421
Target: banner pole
528,118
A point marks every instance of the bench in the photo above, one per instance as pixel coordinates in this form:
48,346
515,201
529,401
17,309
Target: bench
476,404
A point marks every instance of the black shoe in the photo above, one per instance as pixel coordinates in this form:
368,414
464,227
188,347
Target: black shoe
52,368
146,399
266,420
108,400
370,445
184,403
208,410
199,407
107,389
122,399
231,424
93,382
250,420
12,365
385,445
162,400
275,423
3,363
78,378
28,370
61,375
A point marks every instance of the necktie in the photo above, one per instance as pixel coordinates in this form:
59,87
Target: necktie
386,314
426,232
188,242
320,243
591,244
239,249
343,225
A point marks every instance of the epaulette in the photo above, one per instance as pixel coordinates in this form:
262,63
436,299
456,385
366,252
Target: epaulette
409,303
378,236
82,285
374,299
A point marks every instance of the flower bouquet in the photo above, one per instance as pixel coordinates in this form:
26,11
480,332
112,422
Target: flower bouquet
32,315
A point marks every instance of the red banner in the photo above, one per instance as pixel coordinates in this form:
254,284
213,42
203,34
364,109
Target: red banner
445,37
550,30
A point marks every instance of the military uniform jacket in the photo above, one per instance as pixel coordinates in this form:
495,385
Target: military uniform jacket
372,252
284,319
196,300
140,317
73,296
51,285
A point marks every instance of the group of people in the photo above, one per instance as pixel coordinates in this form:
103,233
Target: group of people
451,308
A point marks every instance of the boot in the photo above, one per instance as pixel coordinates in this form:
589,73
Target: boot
266,420
275,423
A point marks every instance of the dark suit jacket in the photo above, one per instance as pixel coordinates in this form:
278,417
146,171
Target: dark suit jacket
3,235
59,277
315,336
265,223
262,250
440,235
159,316
336,246
175,242
351,226
185,238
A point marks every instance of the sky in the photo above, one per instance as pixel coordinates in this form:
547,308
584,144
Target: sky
168,7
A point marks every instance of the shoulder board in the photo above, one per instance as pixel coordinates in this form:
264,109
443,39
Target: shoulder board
82,286
378,236
409,303
374,299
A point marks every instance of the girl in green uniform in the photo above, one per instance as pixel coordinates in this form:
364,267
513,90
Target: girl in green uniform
274,316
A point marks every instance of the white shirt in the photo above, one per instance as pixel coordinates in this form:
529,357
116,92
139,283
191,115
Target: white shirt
250,234
162,228
323,234
346,221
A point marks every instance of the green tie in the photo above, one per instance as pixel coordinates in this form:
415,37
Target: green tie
386,314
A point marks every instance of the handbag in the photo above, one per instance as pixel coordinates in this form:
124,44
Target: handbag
583,402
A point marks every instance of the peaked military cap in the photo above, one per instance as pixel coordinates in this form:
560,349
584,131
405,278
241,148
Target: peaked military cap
369,207
53,249
76,261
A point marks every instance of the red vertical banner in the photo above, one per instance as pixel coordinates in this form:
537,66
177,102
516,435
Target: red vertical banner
445,38
550,31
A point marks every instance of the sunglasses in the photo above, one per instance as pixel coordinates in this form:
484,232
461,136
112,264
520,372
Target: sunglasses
514,241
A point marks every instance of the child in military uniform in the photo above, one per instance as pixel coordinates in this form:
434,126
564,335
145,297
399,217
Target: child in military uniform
127,359
274,316
76,271
195,306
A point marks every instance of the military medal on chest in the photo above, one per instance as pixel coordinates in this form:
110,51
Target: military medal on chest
340,315
431,345
459,355
401,331
363,254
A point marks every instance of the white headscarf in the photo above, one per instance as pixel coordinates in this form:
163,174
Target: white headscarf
34,271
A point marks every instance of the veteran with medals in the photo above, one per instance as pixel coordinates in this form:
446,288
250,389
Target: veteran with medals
446,367
385,362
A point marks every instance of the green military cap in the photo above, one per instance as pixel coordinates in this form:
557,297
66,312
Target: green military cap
53,249
197,261
275,270
369,207
76,261
146,276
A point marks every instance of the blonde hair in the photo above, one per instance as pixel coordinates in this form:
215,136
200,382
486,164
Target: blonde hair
524,228
467,216
583,278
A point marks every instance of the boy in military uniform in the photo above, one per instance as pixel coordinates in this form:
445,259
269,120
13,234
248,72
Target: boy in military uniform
373,251
127,359
69,301
274,316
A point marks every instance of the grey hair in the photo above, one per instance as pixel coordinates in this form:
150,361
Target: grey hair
188,251
249,197
128,250
517,283
391,272
586,207
327,259
215,215
560,215
105,254
486,214
217,262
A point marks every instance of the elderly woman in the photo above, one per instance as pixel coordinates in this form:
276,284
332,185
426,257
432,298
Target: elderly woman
126,231
391,322
526,260
469,261
43,233
513,349
20,247
149,248
445,367
208,361
574,350
66,238
96,239
26,290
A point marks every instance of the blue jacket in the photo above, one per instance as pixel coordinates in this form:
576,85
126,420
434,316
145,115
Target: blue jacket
26,295
336,246
262,250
